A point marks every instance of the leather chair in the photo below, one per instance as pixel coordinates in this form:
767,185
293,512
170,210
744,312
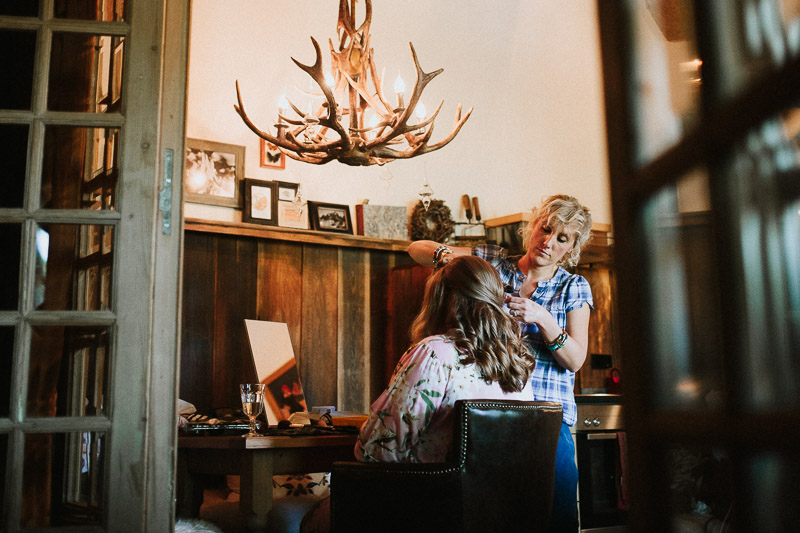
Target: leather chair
498,477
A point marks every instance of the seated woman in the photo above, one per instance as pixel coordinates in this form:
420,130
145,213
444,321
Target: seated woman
465,347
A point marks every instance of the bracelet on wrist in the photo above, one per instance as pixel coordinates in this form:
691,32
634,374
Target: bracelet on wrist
439,253
558,342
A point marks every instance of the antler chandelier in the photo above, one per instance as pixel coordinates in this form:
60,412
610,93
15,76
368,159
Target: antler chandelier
378,132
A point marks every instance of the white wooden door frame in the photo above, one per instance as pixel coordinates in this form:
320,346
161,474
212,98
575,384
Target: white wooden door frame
156,91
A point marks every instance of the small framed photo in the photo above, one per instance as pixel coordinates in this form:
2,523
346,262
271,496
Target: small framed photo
271,156
287,192
213,172
260,202
292,215
330,217
116,80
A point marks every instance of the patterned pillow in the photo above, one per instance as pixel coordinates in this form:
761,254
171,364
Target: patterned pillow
317,484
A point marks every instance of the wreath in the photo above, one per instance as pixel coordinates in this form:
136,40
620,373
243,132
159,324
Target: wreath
433,224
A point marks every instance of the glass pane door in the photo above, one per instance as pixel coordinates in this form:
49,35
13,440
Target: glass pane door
703,115
76,225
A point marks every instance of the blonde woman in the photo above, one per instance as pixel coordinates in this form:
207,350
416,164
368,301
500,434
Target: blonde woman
552,307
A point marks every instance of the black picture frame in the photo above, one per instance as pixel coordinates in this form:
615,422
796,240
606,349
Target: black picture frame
260,202
327,217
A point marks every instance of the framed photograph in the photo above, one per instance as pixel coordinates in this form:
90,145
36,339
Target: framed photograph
271,156
292,215
287,192
213,172
103,68
283,392
330,217
111,149
99,153
260,202
116,79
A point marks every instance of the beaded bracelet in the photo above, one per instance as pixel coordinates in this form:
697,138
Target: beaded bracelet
558,342
439,253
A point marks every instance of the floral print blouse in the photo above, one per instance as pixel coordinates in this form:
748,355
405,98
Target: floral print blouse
412,421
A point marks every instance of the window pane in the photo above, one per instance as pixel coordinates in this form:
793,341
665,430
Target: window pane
10,242
16,63
63,479
774,496
752,38
20,8
80,168
106,10
14,153
761,177
682,295
68,371
667,75
3,460
6,357
85,73
700,489
74,267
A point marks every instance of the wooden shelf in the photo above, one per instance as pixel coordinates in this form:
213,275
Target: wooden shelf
294,235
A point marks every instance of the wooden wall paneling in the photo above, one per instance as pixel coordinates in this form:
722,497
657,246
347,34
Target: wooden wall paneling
197,319
406,290
234,300
280,280
381,264
601,325
318,356
354,330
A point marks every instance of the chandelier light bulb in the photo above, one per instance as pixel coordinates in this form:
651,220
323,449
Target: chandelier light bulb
329,80
373,121
420,111
399,85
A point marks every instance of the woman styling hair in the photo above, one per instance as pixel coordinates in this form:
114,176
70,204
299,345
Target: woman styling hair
465,347
552,307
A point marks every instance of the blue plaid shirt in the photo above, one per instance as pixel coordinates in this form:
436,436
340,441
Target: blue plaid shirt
560,294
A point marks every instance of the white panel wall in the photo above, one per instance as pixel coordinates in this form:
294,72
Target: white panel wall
530,68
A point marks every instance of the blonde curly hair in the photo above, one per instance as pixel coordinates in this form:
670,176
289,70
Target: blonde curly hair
562,211
464,300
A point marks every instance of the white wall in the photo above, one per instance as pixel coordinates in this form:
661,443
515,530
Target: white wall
530,68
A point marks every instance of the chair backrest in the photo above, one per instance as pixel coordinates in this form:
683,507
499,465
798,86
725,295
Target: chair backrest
506,451
499,477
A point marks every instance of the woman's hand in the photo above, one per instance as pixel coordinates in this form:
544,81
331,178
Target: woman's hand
526,310
573,353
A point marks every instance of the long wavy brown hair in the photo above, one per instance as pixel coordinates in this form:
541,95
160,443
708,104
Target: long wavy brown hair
464,300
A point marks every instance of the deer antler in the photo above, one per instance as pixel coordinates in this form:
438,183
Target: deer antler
306,138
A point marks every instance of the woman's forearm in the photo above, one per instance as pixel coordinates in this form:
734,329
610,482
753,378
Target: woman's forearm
422,251
572,354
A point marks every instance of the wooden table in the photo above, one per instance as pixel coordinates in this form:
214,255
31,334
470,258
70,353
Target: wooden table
255,460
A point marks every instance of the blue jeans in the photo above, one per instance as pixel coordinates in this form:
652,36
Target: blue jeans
565,496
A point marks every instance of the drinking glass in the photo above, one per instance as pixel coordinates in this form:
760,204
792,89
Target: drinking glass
252,403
